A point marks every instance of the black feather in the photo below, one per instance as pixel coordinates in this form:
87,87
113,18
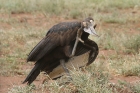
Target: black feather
33,74
58,42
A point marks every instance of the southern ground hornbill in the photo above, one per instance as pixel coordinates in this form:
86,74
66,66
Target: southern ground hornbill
61,47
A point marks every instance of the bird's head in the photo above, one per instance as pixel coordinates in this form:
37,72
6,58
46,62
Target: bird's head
89,26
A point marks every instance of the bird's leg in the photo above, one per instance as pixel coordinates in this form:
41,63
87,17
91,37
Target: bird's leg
78,38
62,62
74,48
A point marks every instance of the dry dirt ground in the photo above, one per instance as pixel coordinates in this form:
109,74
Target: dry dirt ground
7,82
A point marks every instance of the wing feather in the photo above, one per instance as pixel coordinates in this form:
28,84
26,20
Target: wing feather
59,35
46,45
81,49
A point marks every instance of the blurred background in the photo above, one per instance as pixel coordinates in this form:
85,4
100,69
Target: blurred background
23,23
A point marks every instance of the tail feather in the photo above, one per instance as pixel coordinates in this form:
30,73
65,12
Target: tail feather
32,75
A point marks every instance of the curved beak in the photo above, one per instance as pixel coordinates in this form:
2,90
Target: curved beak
91,31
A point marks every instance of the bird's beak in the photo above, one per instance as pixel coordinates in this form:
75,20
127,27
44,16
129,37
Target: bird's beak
91,30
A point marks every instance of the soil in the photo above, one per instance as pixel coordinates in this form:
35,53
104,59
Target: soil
8,82
39,20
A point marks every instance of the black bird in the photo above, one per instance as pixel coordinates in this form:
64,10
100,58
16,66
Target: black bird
56,47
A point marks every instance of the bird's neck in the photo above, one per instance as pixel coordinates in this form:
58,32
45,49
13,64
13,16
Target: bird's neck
84,36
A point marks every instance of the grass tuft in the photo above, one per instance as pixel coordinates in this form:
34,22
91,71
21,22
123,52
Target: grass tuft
19,89
132,45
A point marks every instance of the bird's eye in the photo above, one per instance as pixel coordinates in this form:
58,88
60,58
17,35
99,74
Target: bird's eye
92,22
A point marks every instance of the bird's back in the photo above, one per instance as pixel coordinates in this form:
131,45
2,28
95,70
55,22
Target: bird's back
59,35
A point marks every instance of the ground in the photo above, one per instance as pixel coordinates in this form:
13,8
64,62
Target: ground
7,82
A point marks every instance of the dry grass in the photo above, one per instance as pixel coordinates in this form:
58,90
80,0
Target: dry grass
118,26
